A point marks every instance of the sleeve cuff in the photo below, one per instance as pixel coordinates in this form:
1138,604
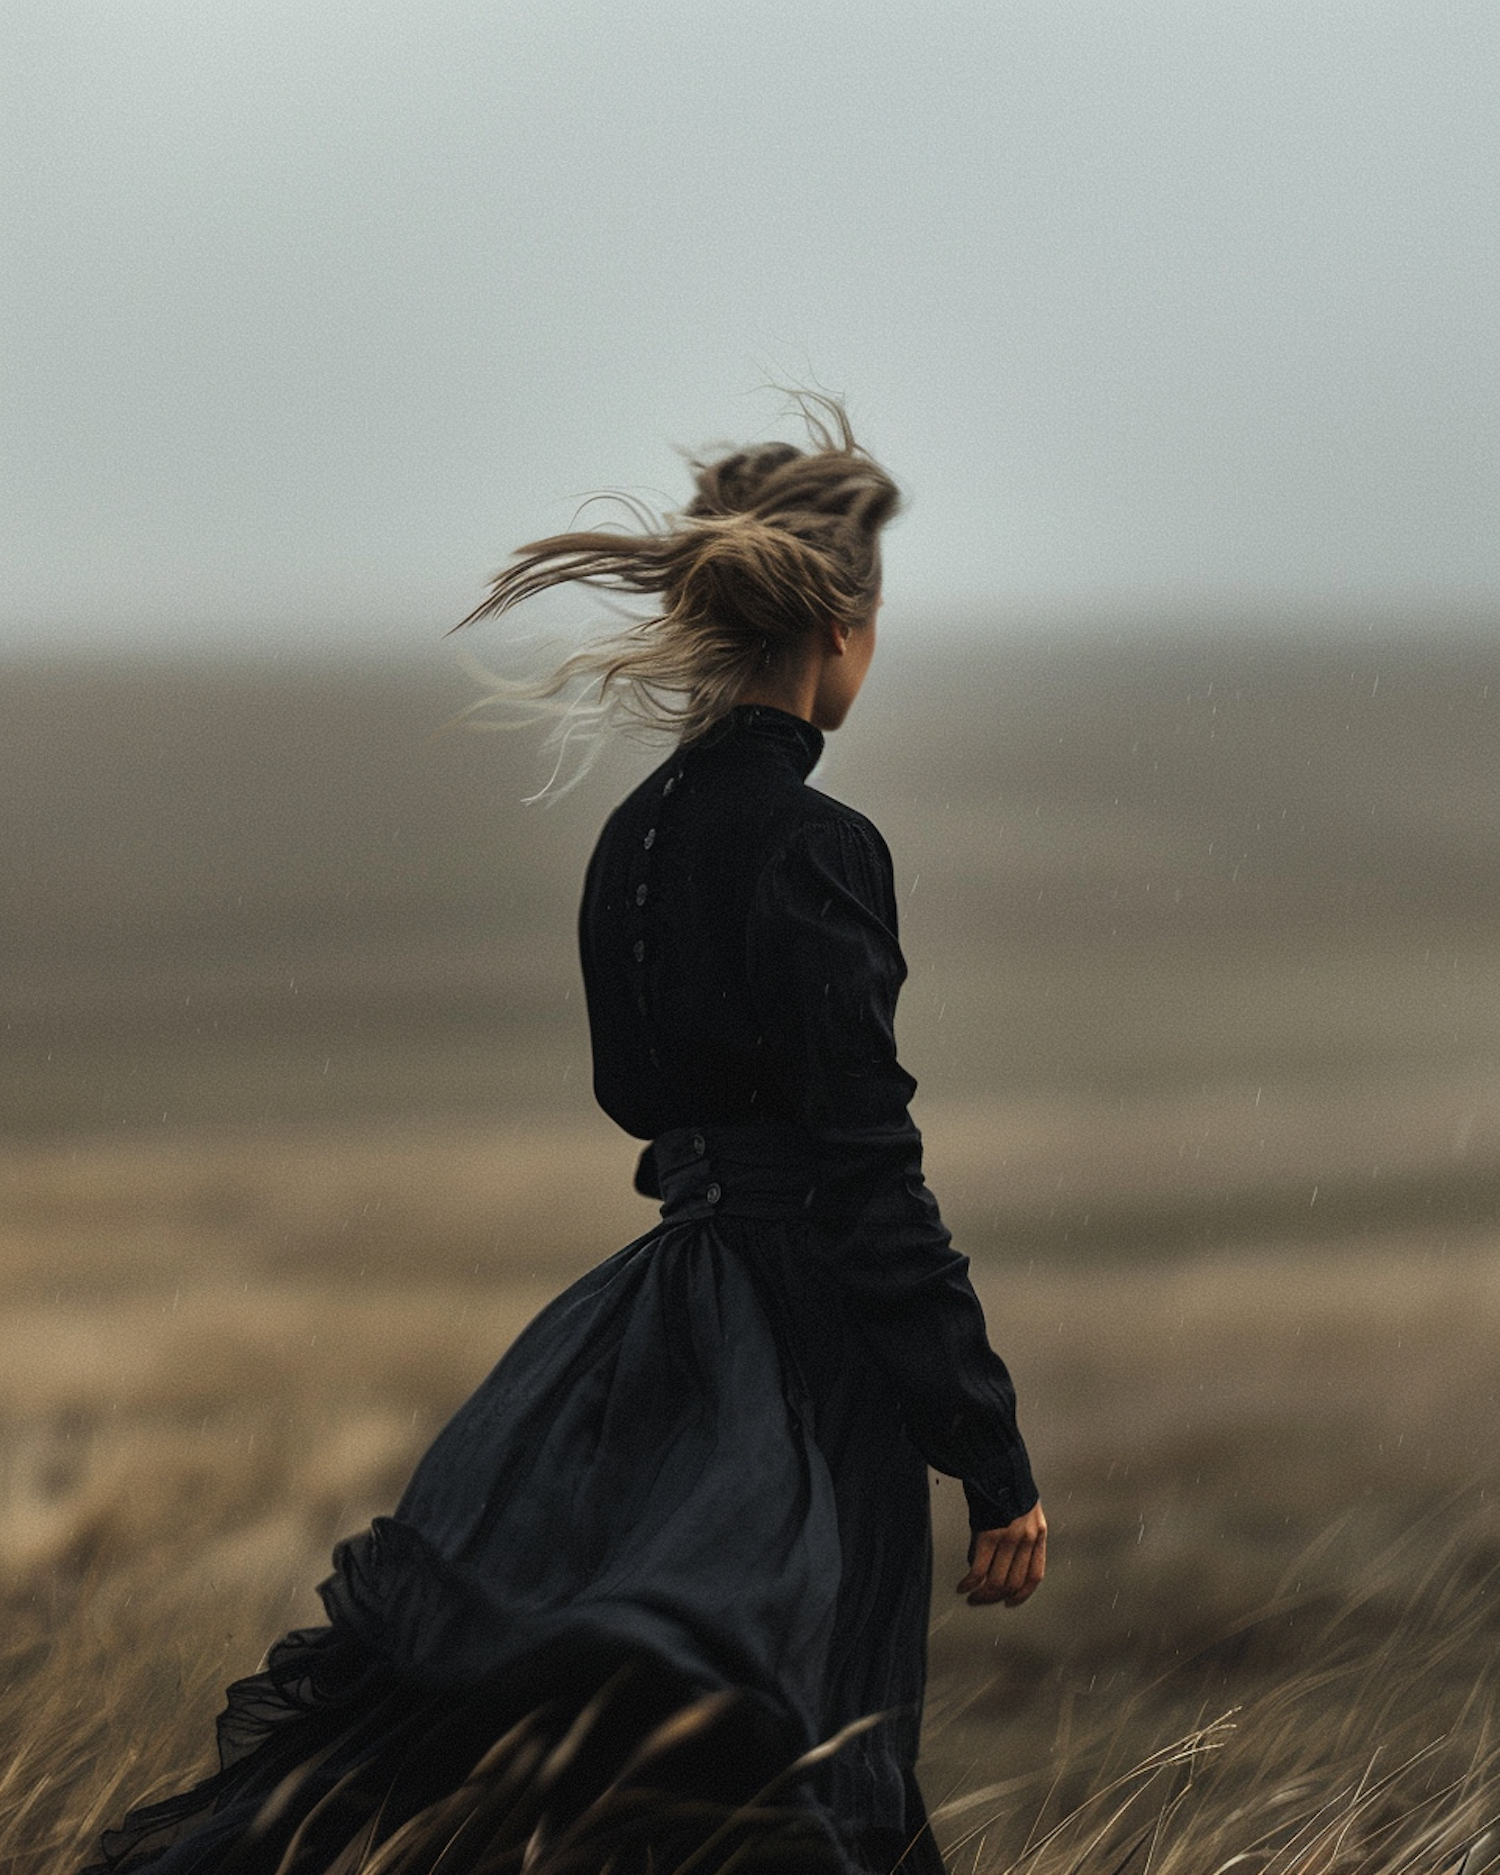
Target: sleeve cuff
987,1512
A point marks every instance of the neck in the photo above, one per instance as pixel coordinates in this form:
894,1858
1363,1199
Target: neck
794,691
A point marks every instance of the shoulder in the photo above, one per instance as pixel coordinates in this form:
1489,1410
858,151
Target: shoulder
828,847
833,825
856,830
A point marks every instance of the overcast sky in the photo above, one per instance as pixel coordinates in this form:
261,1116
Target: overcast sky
314,308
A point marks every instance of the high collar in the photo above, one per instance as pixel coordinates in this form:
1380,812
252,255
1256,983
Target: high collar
794,740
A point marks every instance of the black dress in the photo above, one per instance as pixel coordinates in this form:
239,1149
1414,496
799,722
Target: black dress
709,1455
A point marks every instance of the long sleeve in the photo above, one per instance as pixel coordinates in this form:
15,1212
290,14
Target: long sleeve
825,969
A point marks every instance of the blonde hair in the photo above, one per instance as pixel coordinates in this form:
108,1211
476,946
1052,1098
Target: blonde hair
776,542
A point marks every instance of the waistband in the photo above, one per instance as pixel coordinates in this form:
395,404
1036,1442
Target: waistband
732,1171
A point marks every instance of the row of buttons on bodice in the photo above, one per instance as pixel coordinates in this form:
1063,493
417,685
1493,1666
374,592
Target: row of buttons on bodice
640,892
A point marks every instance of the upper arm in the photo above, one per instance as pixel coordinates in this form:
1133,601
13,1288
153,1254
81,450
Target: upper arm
825,969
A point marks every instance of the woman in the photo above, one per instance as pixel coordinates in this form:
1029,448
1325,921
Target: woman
702,1470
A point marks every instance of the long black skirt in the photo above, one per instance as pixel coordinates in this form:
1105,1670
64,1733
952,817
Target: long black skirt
686,1477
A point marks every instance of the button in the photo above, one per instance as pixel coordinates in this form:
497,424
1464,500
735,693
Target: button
698,1146
638,951
713,1194
650,839
668,785
640,895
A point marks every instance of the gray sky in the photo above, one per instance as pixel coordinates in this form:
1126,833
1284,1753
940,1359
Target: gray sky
314,309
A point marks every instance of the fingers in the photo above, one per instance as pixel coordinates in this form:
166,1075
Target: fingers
981,1555
1007,1565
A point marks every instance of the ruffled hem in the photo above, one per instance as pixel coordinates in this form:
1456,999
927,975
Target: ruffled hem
586,1746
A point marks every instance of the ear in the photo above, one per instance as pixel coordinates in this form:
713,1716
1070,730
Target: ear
834,638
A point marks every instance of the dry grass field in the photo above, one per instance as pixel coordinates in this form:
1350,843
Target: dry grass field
1205,936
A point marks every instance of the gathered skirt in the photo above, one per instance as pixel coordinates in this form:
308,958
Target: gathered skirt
688,1469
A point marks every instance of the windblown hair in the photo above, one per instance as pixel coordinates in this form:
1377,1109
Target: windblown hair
776,542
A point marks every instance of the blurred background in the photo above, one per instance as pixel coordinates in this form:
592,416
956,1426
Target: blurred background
1177,325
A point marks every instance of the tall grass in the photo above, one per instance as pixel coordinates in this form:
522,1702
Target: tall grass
1378,1754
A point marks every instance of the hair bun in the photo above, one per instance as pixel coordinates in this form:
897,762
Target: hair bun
738,482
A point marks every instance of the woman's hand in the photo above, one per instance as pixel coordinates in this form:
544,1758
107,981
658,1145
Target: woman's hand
1007,1565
